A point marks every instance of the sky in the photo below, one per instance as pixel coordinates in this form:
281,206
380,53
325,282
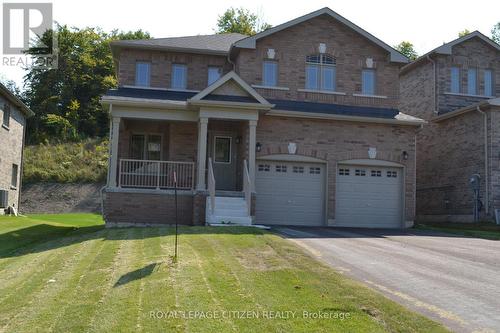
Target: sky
425,23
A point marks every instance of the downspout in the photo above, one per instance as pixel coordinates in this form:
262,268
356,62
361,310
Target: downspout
109,159
229,58
434,89
22,168
486,161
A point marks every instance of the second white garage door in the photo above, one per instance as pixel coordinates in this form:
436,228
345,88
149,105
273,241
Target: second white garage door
369,196
290,193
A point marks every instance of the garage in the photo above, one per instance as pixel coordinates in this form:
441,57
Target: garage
369,196
290,193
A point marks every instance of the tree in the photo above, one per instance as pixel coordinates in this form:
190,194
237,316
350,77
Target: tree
407,49
464,32
242,21
66,100
495,33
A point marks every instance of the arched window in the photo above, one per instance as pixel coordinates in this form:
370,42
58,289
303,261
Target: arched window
320,72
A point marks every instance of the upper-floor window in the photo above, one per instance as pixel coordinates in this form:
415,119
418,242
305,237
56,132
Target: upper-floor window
214,73
320,72
368,82
6,115
472,81
179,76
142,74
270,73
488,82
455,80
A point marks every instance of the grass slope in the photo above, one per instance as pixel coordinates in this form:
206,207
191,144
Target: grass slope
80,277
85,161
486,230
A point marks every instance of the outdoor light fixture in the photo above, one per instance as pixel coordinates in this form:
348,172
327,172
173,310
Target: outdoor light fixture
405,155
258,146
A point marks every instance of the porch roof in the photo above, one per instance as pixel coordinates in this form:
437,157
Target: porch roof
300,108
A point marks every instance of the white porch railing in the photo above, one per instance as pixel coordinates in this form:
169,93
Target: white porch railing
247,187
211,185
155,174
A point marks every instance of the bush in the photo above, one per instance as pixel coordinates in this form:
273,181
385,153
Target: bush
81,162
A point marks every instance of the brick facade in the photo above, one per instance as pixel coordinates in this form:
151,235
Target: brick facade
11,146
450,151
336,141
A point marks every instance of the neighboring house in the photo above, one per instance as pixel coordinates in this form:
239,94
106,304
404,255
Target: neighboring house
13,114
456,88
296,125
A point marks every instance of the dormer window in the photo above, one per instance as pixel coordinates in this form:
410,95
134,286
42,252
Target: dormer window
320,72
270,73
142,74
179,76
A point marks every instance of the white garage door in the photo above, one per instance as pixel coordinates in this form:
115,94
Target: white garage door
369,196
290,193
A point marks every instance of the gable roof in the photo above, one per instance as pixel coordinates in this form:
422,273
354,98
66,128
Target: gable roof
212,44
250,42
208,92
446,49
4,91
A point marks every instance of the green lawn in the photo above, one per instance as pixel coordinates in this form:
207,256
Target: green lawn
486,230
67,273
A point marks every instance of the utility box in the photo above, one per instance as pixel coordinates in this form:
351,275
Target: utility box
4,198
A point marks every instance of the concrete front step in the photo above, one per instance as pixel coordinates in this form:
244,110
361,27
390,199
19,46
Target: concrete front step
228,211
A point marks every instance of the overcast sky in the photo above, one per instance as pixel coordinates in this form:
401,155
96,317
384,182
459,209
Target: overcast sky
426,23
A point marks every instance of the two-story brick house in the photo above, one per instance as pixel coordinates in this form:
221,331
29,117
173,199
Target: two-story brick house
296,125
455,87
13,114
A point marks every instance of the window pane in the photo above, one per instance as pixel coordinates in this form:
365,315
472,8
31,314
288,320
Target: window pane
312,77
179,76
488,82
328,78
313,58
368,82
222,150
471,81
142,74
455,80
154,147
270,73
137,147
6,115
15,171
213,74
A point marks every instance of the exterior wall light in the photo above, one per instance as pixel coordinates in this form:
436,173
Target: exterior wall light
258,146
405,155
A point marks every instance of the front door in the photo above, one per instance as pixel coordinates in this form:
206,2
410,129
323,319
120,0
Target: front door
223,152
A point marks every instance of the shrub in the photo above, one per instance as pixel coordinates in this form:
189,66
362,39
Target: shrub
80,162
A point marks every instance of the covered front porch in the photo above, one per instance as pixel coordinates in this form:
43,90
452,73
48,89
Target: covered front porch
201,144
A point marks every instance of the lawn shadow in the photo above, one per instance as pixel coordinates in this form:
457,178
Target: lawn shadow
45,237
136,275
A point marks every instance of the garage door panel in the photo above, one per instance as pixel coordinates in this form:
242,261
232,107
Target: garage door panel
368,196
290,193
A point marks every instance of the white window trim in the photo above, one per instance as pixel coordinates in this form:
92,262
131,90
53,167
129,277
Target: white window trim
145,151
467,95
263,70
329,92
370,70
321,65
371,96
269,87
230,148
149,72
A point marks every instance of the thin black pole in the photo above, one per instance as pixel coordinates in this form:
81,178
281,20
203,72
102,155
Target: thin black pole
176,224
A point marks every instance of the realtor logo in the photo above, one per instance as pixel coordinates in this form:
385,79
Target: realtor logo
28,26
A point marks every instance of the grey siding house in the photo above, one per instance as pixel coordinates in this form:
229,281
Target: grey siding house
456,88
13,114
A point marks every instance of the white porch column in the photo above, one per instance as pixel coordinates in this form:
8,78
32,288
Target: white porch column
252,125
113,165
202,153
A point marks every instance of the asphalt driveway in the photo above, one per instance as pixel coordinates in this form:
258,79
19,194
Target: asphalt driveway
451,279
